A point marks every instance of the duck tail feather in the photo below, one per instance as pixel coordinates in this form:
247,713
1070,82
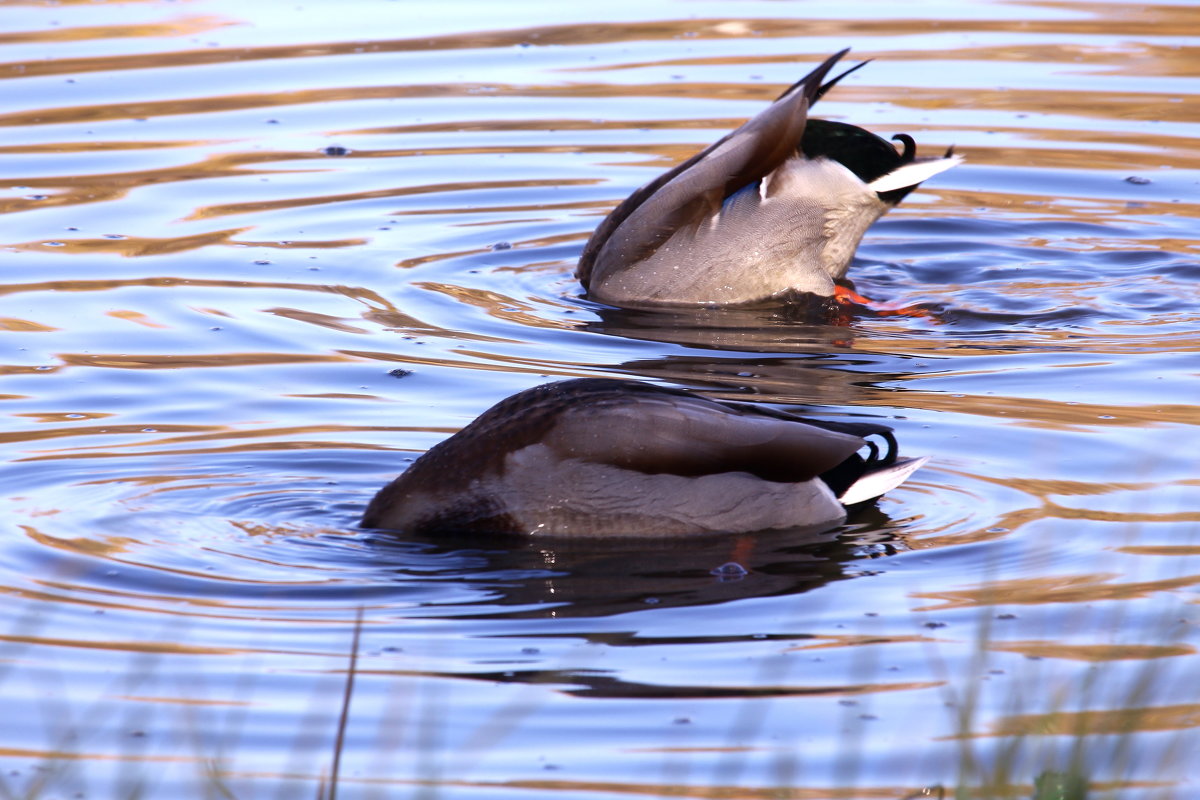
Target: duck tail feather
877,482
811,85
825,87
912,173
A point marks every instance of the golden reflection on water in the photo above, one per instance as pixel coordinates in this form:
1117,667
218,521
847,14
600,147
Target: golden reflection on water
499,306
851,640
105,452
156,361
136,317
203,434
404,191
1050,414
1152,58
193,25
139,646
518,365
105,285
1161,550
1097,133
1107,105
1091,652
378,309
72,431
1098,723
960,531
543,241
49,148
1097,341
1143,149
316,318
24,325
733,792
1088,588
1148,20
137,246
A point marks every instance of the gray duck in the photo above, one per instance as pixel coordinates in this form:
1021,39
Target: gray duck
773,209
597,457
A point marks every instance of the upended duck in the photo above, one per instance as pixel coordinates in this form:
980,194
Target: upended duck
773,209
606,458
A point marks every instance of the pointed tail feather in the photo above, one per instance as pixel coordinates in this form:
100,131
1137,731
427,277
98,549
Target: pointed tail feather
912,173
811,83
881,481
825,87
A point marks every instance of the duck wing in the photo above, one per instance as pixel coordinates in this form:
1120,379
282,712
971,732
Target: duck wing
667,432
695,190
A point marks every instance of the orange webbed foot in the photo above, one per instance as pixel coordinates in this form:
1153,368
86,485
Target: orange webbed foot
845,296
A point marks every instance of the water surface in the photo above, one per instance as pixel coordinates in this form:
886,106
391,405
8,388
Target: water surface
258,256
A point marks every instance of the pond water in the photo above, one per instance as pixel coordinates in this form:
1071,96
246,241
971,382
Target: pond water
258,256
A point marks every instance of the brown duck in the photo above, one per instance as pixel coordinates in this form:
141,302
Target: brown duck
602,458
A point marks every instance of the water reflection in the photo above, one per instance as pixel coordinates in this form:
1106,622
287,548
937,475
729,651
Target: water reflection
203,306
802,326
587,579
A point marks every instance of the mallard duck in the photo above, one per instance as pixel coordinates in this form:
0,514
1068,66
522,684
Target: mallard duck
605,458
775,208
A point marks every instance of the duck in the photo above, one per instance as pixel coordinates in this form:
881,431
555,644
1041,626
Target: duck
773,210
604,458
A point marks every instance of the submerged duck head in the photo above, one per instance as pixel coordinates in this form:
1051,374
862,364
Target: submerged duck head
776,207
607,458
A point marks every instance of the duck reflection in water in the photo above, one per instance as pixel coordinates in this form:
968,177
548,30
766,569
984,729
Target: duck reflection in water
608,458
561,577
773,211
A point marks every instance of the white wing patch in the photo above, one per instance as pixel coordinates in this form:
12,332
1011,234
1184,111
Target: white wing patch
877,483
913,173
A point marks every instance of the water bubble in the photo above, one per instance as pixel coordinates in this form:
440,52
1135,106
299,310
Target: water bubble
731,569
